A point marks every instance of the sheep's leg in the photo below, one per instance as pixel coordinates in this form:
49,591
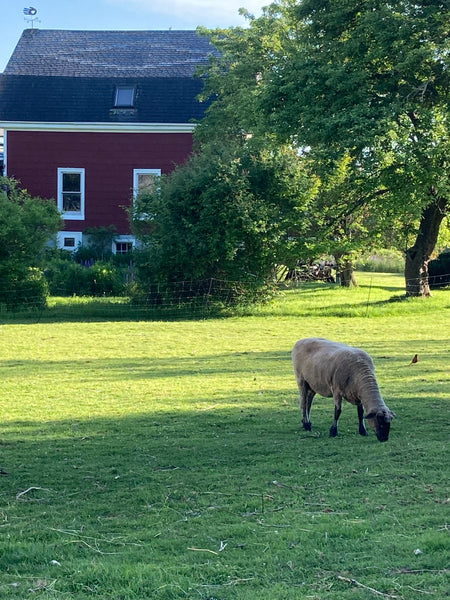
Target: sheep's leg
362,427
306,398
337,414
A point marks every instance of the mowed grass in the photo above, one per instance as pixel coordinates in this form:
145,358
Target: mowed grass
166,460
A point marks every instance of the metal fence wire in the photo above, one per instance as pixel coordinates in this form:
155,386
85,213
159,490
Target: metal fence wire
181,299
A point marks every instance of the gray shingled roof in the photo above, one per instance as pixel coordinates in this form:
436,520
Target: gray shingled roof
62,53
71,76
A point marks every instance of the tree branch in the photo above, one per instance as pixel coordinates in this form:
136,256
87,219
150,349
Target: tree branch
366,587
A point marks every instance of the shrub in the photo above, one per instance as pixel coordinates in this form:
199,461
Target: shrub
69,278
226,215
99,245
439,270
66,278
26,224
29,290
105,279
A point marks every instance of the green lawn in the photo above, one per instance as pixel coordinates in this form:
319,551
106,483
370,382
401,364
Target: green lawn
166,460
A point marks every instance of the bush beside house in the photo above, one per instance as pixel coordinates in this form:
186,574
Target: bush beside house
84,274
26,224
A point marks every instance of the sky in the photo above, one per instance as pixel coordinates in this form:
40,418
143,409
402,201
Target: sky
118,14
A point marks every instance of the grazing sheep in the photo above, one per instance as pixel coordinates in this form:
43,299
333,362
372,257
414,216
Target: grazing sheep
336,370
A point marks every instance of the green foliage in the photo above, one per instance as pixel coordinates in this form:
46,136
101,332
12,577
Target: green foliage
29,290
371,79
85,273
99,244
67,277
444,235
366,82
231,213
26,224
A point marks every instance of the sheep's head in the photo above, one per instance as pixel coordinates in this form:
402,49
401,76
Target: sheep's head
380,421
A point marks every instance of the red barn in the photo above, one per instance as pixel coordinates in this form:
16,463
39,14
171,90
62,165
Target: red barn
91,117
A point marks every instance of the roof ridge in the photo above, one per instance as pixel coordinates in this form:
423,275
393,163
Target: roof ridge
94,53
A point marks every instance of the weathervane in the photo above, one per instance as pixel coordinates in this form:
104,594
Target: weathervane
30,15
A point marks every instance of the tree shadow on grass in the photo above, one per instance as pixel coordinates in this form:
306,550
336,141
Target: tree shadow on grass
111,369
193,495
215,442
227,363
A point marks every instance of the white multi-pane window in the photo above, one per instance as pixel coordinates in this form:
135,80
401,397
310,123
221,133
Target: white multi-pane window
145,180
71,198
123,244
123,247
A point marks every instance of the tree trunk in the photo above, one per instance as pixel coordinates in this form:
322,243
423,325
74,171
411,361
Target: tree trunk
348,275
345,275
418,256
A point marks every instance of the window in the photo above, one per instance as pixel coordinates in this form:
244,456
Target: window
71,193
69,240
123,247
145,180
123,244
124,97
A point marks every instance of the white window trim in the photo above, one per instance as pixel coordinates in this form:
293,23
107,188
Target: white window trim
71,215
137,172
65,234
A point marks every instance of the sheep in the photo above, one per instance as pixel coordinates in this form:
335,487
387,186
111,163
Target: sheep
336,370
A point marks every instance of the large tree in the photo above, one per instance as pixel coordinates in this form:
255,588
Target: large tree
368,80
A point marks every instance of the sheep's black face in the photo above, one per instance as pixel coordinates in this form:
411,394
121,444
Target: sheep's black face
381,423
382,428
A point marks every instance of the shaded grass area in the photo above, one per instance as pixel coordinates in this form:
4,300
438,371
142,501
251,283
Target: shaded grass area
145,507
166,460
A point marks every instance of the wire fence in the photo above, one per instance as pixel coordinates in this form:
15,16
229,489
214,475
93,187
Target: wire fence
179,300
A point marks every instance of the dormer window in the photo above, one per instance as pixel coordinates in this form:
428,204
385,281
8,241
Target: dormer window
124,97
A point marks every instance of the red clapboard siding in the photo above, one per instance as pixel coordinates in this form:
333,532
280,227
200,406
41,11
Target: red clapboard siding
108,159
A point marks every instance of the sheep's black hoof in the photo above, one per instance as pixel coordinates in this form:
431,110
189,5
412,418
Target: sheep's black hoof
306,426
363,432
333,431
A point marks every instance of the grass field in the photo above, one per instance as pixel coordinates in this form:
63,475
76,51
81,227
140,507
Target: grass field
166,460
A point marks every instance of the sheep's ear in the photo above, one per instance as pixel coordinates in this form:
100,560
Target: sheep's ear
371,415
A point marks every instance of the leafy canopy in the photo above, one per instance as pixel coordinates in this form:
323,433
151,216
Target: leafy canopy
229,213
366,82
